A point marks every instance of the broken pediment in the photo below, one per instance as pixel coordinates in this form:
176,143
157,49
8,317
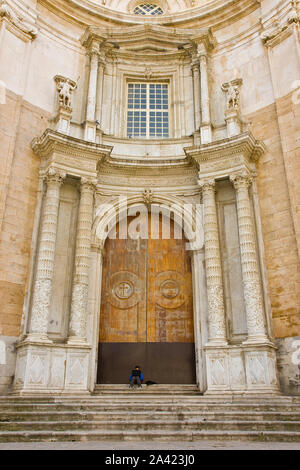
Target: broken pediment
147,39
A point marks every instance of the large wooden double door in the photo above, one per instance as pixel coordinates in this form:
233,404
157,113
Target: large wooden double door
146,316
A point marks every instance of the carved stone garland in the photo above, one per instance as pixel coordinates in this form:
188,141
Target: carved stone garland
77,329
215,296
45,260
250,270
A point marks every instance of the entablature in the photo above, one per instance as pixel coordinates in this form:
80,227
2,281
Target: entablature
222,158
75,156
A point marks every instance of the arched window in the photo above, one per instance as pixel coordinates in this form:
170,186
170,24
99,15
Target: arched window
148,9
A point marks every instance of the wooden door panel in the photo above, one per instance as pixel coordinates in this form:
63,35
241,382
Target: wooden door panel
169,300
123,300
146,310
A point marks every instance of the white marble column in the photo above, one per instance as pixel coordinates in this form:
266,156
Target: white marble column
215,295
45,259
206,135
196,87
250,269
77,326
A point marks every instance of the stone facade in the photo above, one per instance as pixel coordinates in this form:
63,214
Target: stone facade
232,149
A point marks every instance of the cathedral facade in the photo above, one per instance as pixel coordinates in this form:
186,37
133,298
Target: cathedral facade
149,195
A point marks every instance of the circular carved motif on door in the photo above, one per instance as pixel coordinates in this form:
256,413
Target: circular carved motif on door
169,289
124,290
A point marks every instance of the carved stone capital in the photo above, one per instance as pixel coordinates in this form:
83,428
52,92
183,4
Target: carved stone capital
88,184
241,180
207,185
54,176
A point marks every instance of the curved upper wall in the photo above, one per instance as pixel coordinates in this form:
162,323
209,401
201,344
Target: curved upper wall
202,13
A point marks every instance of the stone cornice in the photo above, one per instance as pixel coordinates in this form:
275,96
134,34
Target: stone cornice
87,12
244,144
52,141
278,24
146,39
222,158
17,23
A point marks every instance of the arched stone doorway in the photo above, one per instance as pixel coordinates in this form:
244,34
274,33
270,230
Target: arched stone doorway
147,306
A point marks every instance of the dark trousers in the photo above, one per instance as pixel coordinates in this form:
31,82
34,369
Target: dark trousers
135,380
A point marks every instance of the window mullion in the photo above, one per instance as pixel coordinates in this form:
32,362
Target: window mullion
147,110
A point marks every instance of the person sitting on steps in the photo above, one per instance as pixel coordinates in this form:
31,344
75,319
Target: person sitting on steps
136,377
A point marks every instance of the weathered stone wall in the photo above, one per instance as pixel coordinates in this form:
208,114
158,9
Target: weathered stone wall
20,122
282,260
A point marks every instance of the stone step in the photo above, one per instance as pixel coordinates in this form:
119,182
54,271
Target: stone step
181,415
151,389
143,405
148,425
165,436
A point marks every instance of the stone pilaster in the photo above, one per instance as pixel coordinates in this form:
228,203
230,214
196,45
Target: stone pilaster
206,135
215,295
90,126
196,88
45,259
100,80
250,269
77,327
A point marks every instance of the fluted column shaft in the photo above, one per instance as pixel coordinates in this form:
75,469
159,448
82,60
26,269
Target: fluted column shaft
215,295
77,327
250,269
45,258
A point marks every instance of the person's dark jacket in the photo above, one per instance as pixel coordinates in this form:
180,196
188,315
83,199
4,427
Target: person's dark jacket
138,373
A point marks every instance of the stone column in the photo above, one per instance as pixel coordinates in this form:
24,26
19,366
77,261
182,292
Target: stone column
77,327
206,136
196,87
250,269
45,259
215,295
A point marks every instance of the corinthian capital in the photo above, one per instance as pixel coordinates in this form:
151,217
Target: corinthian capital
54,175
89,184
241,180
207,184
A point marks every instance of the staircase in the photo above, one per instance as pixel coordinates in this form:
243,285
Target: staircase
155,413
